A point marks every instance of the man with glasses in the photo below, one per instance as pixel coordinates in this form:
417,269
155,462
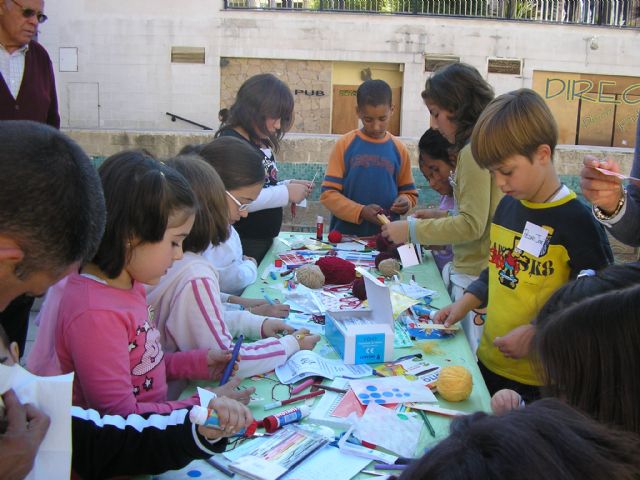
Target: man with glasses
27,92
27,88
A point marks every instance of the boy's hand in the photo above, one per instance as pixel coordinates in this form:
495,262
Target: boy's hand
279,310
369,213
504,401
26,428
232,416
306,341
272,327
396,232
297,191
430,213
603,191
400,205
456,311
230,390
217,361
516,343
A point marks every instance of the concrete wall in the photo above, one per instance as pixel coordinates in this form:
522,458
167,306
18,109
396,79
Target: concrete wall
125,79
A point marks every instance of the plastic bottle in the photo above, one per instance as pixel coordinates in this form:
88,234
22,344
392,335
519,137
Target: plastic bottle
292,415
319,227
207,417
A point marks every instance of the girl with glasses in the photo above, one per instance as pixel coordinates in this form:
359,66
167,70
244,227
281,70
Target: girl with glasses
187,300
261,114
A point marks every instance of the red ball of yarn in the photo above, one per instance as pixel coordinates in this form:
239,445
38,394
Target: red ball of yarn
335,236
384,245
382,256
336,270
358,289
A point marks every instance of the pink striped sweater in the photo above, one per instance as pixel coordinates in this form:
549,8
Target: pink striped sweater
190,315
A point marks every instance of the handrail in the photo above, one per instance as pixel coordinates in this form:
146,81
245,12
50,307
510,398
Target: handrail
178,117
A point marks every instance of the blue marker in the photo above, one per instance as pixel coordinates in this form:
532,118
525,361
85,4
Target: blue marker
270,300
234,356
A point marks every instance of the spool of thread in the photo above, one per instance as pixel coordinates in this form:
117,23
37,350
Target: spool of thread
292,415
207,417
389,267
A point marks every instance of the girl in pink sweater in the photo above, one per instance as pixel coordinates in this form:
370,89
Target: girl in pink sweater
104,331
187,299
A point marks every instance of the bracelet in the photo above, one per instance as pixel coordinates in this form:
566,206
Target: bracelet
600,215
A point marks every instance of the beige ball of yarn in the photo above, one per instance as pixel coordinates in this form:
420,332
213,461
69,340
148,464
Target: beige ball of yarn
389,267
310,276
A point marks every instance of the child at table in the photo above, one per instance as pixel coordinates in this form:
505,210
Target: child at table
514,139
236,271
260,115
583,354
438,165
369,171
455,96
187,299
104,331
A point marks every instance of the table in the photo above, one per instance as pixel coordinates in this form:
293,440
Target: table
452,351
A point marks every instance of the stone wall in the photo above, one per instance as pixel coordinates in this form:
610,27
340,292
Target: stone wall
312,112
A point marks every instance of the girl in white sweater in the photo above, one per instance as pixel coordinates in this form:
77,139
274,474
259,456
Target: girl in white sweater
187,301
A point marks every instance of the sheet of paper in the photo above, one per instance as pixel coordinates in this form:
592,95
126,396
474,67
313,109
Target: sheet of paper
52,395
306,363
397,432
331,463
616,174
396,389
533,239
408,255
350,246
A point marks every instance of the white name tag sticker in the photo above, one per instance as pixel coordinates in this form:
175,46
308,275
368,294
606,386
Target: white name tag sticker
533,239
408,255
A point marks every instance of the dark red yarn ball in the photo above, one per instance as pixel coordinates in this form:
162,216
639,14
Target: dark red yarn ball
384,245
337,271
335,236
358,289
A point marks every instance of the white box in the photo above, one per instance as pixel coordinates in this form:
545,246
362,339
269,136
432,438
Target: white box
367,343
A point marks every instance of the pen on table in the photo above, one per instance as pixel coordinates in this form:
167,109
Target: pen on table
298,388
426,421
386,466
329,388
234,357
217,465
280,403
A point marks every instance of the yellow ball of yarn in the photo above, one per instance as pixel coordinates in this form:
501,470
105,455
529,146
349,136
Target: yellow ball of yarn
454,383
310,276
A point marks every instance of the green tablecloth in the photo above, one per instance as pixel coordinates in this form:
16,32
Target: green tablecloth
452,351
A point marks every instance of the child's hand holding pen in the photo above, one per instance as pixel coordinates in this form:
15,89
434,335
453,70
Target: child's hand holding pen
217,361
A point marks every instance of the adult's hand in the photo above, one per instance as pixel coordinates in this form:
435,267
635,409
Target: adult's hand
603,191
26,428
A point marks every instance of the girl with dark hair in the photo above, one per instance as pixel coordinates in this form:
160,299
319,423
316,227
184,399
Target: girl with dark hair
187,299
437,165
104,330
547,440
455,96
589,362
261,114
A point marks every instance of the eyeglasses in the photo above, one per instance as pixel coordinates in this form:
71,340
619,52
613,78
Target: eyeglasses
242,207
30,12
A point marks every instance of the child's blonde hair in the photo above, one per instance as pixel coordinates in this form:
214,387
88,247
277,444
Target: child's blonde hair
515,123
